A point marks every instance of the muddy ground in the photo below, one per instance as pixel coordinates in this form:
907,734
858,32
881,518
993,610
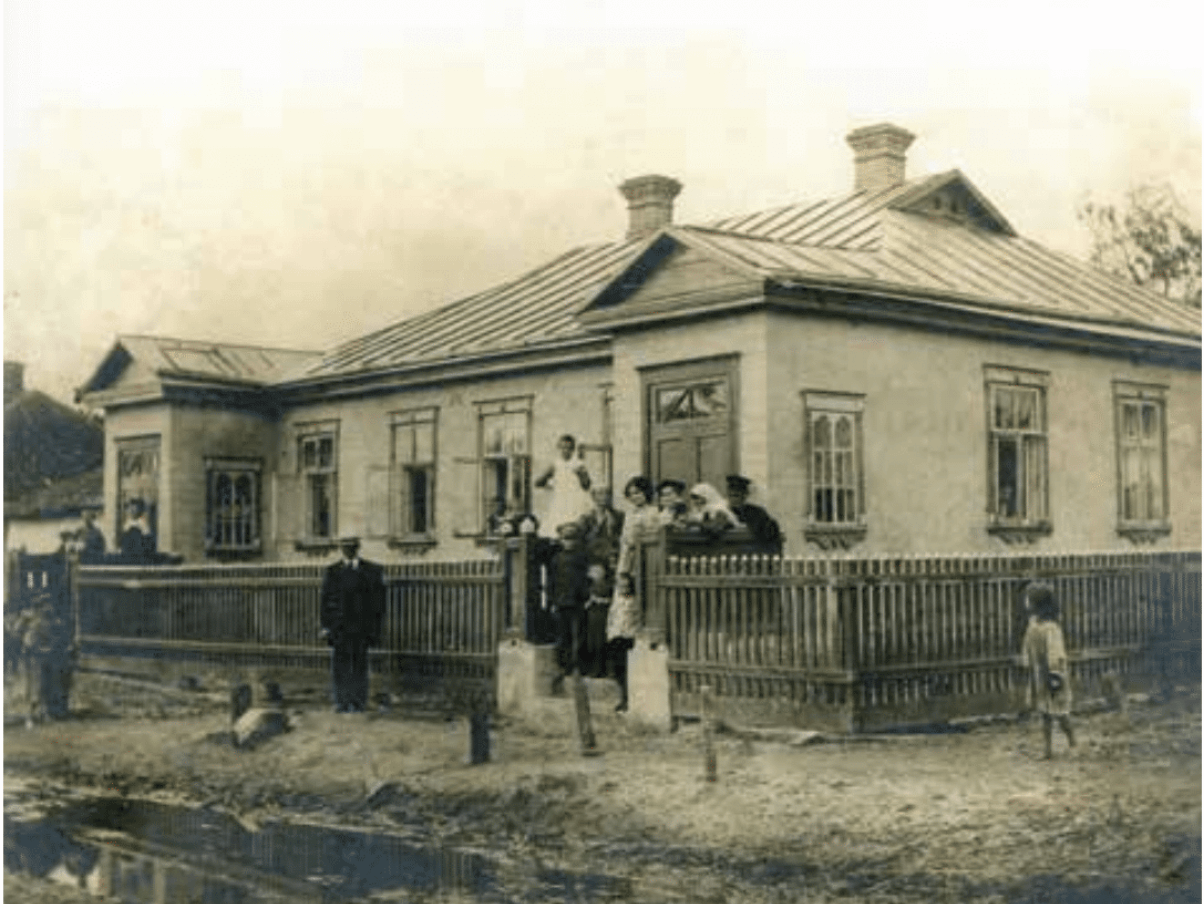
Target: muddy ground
966,815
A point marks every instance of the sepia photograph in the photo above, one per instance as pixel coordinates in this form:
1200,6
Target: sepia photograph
536,451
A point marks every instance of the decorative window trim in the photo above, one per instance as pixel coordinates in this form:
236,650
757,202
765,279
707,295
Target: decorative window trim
1022,529
399,472
1149,530
824,534
316,430
253,545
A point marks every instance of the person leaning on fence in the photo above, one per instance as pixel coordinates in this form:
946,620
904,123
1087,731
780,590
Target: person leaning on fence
624,618
90,541
766,532
1044,656
709,512
352,616
671,496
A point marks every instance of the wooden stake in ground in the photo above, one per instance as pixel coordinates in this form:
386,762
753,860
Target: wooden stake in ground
708,733
585,730
478,731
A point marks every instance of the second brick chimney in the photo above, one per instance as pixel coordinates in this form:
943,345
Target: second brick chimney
879,156
649,204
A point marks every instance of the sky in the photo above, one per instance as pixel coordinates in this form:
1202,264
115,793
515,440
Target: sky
296,174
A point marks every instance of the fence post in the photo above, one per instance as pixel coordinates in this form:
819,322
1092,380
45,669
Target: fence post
519,563
846,594
651,565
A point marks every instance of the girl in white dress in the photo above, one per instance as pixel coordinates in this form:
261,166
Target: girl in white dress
624,618
570,485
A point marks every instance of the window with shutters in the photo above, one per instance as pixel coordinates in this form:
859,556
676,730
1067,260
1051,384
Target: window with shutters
318,467
835,504
413,474
1142,493
232,506
1017,454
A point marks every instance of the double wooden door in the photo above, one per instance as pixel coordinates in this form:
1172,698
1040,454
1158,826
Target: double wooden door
690,421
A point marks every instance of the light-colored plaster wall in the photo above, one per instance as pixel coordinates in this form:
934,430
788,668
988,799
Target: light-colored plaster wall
200,432
926,442
128,423
739,334
568,401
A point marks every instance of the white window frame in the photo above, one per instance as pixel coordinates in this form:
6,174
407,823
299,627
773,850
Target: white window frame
312,473
1026,516
517,463
1145,515
407,460
228,531
839,472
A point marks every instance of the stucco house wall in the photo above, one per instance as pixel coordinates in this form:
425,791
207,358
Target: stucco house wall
925,435
563,401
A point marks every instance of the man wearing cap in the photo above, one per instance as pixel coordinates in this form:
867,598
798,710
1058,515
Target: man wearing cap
353,613
760,523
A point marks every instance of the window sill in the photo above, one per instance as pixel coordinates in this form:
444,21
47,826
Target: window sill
233,555
1015,533
829,537
413,542
316,547
1144,533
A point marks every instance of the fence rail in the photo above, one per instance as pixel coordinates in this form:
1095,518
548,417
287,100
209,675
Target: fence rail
442,620
866,642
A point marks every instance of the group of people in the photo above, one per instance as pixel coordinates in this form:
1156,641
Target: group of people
592,549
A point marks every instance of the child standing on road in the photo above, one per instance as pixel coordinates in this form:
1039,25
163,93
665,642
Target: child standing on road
570,593
1044,654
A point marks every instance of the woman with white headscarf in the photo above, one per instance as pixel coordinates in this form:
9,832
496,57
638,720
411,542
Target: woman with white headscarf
709,510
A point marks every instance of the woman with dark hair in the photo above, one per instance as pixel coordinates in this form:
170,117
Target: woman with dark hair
624,617
1044,654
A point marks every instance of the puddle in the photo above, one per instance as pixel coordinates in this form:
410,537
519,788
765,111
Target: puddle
142,852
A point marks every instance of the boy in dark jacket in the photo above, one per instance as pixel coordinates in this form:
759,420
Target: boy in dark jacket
570,590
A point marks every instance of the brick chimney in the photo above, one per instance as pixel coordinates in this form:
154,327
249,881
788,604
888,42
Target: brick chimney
879,156
649,204
14,380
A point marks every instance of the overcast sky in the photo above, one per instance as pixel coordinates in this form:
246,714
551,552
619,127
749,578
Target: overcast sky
297,173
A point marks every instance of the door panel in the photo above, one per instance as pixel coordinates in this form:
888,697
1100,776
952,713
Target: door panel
690,421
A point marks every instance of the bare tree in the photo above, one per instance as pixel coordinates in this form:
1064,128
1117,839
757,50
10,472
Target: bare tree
1148,240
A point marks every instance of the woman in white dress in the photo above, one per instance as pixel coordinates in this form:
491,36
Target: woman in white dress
624,618
570,483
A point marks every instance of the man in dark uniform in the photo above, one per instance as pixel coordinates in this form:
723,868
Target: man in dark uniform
353,613
765,530
91,540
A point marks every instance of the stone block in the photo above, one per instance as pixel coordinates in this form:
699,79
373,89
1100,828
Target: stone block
648,684
258,725
525,672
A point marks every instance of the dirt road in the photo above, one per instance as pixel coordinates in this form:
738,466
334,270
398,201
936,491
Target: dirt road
958,816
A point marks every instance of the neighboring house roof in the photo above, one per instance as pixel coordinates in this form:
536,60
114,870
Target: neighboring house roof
60,497
45,441
161,358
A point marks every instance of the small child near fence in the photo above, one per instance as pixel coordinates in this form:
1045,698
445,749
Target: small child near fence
1044,655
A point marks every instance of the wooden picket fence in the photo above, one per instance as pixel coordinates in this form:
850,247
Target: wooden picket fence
857,644
443,621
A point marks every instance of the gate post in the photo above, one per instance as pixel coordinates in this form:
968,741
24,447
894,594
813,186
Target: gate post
525,668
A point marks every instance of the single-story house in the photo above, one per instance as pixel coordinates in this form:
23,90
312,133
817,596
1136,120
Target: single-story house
895,368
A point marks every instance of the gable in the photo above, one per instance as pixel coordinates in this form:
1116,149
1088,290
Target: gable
669,275
953,198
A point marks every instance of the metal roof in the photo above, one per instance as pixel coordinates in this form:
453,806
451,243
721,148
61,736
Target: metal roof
213,360
537,307
875,241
